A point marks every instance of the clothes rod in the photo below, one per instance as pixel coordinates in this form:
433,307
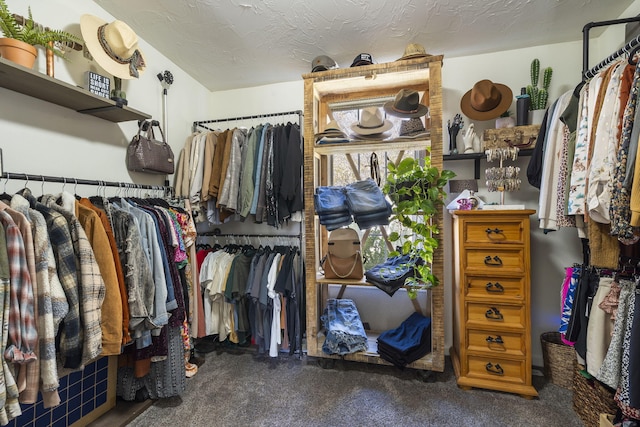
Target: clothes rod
257,116
80,181
215,234
585,45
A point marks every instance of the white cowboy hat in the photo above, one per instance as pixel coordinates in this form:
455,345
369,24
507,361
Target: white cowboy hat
114,46
371,122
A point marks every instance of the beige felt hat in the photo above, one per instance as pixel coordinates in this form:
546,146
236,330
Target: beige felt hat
413,50
371,122
114,46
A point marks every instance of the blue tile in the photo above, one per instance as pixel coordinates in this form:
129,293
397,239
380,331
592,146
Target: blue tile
88,383
44,421
101,399
64,382
101,386
102,363
28,413
74,403
89,369
40,409
24,423
87,408
64,394
102,374
74,390
75,377
12,423
74,416
59,411
62,422
88,395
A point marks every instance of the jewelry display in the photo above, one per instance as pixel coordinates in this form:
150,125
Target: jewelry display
502,178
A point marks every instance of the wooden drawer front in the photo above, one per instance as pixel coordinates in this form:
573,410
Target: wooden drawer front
498,260
505,231
496,369
496,288
489,316
498,343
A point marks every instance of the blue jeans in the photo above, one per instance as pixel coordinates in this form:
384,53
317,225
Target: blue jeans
330,200
345,332
408,335
364,197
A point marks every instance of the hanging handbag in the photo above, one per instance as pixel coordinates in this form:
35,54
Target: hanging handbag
146,154
344,258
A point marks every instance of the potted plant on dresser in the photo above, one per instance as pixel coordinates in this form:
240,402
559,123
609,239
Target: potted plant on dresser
20,39
417,191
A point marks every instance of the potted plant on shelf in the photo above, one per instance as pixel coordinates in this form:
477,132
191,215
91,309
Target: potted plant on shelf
18,44
538,96
417,191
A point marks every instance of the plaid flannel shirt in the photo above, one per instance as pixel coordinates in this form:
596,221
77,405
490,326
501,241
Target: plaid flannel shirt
23,335
9,406
51,304
92,288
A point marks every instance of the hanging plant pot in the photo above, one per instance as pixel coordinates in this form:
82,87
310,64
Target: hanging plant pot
18,51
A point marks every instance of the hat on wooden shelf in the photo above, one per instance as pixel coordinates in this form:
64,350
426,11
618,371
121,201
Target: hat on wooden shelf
413,50
323,63
371,122
406,105
412,128
114,46
486,100
362,59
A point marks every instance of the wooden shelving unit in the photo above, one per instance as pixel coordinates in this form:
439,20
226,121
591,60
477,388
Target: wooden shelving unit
41,86
355,85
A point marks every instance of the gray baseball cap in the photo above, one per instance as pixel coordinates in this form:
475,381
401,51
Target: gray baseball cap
323,63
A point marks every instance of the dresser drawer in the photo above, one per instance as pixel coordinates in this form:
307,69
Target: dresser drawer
497,369
496,343
496,288
488,316
507,230
495,260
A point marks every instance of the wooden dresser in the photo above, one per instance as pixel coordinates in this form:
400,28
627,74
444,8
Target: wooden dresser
491,299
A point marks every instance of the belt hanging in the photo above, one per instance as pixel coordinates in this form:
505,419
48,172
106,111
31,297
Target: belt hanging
375,168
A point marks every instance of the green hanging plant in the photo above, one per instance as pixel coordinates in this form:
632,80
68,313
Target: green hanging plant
417,191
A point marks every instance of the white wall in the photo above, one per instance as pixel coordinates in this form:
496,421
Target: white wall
41,138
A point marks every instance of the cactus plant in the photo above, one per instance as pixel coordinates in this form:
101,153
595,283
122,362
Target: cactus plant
539,96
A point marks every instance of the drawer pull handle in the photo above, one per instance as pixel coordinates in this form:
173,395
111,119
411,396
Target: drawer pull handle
496,340
494,314
495,230
495,287
492,261
494,369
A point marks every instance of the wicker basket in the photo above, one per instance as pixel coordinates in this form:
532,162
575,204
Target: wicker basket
591,398
559,360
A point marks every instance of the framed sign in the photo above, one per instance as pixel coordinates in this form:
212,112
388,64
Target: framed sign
98,84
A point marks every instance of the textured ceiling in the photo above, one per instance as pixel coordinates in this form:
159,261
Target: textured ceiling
230,44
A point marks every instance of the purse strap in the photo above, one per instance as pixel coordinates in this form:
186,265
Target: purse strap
353,267
150,130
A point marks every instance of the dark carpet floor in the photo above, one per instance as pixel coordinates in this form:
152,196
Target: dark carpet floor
245,389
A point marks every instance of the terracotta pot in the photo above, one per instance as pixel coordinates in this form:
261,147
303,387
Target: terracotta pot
17,51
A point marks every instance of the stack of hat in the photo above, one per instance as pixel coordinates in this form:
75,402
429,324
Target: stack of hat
371,125
406,105
332,134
